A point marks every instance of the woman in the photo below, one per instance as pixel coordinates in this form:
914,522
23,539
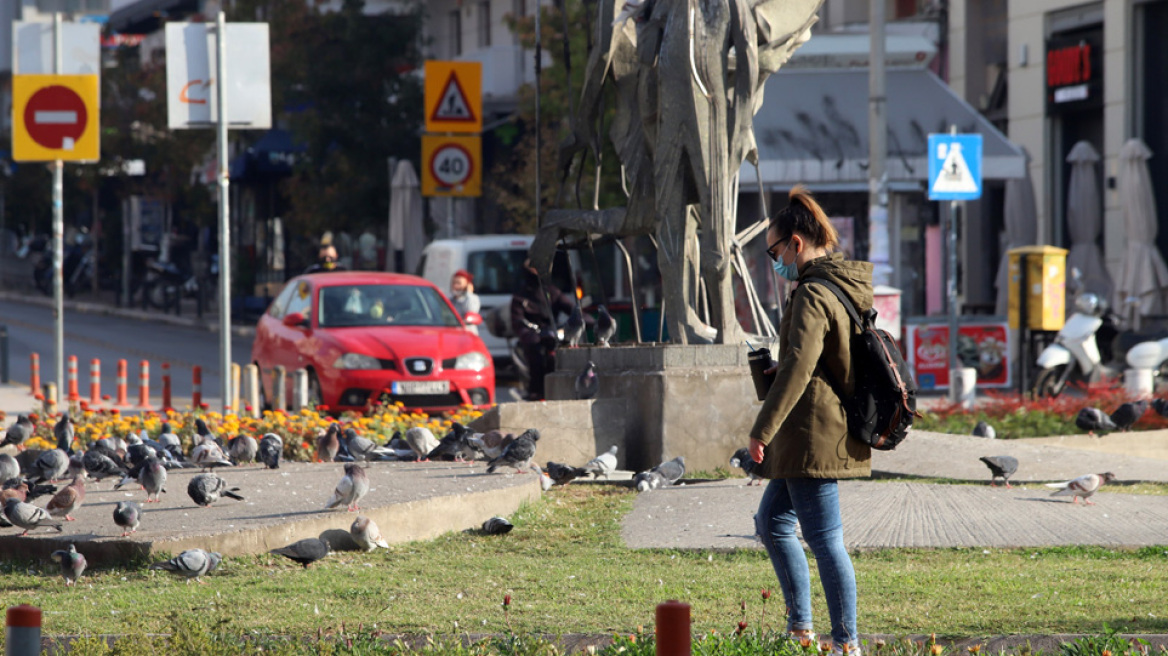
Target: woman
801,434
463,296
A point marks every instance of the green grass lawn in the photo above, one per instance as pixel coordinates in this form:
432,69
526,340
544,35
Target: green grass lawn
567,571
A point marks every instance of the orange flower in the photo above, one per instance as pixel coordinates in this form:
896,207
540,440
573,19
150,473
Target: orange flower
937,649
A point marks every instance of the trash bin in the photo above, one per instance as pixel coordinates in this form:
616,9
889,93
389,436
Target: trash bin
1046,287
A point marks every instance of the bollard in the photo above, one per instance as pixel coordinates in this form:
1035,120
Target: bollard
50,403
673,629
4,354
95,382
34,379
144,384
299,390
166,392
22,631
122,384
196,387
279,388
963,386
1139,383
251,379
71,376
235,374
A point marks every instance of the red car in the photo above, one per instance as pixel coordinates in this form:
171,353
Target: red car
360,333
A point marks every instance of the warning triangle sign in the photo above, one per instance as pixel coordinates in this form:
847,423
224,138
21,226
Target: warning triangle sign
453,105
955,176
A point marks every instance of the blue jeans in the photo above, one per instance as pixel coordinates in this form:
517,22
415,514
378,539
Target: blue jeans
814,502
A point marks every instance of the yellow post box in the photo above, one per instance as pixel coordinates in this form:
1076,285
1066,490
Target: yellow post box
1045,269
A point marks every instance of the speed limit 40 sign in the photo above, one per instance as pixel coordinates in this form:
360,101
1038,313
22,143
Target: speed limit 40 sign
452,166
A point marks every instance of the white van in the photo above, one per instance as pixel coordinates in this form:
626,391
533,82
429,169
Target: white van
496,262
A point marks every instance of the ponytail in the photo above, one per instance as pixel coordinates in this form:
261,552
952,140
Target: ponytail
803,215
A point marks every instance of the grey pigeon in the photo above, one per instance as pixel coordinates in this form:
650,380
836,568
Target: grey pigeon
128,515
328,443
99,465
421,441
587,383
203,431
49,466
191,564
76,467
1094,419
1002,467
574,328
243,448
29,517
362,449
983,429
518,454
672,470
561,474
151,475
305,552
742,459
205,489
18,432
497,526
72,563
454,446
1127,414
208,454
9,468
491,443
270,449
353,486
67,499
1082,487
64,432
649,480
366,534
112,445
605,326
170,441
603,464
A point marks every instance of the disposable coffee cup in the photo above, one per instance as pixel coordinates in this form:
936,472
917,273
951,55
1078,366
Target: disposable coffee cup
760,360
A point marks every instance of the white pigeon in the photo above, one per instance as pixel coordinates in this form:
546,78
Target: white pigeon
421,440
366,534
603,464
1083,486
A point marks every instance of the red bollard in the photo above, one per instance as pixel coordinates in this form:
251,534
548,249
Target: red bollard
166,404
34,379
71,376
673,629
144,384
22,631
196,387
122,384
95,382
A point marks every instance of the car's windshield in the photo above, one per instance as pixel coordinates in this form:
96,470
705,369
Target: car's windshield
383,305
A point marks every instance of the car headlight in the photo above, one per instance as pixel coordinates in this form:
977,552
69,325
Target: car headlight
356,361
473,360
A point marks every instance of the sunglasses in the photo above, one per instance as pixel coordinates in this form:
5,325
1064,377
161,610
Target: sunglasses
771,249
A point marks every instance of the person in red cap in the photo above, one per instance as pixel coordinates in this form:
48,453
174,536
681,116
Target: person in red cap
463,297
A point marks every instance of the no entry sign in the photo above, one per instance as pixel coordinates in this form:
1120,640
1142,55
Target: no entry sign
55,117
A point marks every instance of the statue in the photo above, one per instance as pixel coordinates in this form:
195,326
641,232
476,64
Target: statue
688,77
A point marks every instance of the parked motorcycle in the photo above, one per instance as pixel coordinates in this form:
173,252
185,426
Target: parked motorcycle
1075,355
77,271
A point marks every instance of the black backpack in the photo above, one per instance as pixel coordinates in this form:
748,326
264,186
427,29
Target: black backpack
884,403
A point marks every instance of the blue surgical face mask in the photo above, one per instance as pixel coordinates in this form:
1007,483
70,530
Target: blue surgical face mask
787,271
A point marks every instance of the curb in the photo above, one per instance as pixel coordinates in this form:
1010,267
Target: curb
85,307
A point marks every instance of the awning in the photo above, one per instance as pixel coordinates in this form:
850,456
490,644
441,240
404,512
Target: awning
813,129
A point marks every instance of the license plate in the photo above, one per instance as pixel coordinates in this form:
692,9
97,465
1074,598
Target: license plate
421,387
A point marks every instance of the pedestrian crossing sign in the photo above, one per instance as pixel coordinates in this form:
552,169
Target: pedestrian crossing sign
955,166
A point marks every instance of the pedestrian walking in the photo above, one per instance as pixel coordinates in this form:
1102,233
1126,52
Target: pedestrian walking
800,437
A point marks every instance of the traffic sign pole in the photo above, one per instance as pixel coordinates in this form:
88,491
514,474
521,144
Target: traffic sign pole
224,220
952,289
58,234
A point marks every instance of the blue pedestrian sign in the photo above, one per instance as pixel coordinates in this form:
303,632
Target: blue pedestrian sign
954,166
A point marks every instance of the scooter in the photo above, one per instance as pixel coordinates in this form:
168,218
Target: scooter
1075,355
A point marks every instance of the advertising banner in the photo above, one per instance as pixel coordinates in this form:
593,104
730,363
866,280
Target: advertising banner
981,346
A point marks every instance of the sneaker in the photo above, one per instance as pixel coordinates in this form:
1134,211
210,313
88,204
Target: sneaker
853,650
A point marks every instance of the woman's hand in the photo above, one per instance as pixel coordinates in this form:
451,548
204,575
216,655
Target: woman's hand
756,450
770,370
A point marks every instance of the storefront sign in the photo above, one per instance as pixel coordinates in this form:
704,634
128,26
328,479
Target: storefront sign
1074,70
981,346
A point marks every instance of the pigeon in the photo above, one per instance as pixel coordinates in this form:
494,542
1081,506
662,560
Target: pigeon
128,515
328,443
64,431
518,454
243,448
672,470
454,446
76,467
574,328
742,459
112,445
1002,467
1160,406
1126,415
603,464
18,432
29,517
170,441
491,443
1093,419
605,326
99,464
366,534
563,474
362,449
354,485
587,383
270,449
191,564
151,475
305,552
545,481
421,441
1083,486
649,480
983,429
73,564
208,454
497,526
9,468
201,430
49,466
19,488
205,489
68,499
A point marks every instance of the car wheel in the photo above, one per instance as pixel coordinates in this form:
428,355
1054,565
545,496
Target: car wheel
1050,382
